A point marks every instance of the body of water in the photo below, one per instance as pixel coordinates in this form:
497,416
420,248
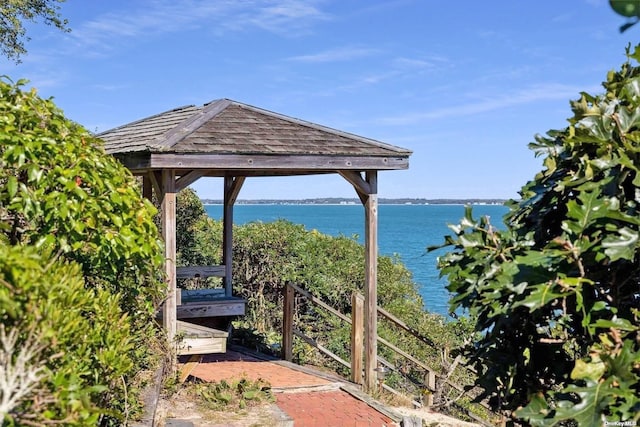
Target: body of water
405,230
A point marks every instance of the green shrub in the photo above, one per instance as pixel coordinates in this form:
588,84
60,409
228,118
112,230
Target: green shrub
557,293
81,332
189,211
59,188
61,193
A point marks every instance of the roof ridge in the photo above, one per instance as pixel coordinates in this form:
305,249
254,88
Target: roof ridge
191,124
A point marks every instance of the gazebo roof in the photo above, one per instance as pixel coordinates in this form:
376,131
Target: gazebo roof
226,135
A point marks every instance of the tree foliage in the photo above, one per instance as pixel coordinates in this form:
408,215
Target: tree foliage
62,194
556,294
189,213
13,16
627,8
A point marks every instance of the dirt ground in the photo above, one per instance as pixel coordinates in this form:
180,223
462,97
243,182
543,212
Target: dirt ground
434,419
183,407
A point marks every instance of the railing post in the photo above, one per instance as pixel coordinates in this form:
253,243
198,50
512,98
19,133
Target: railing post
431,386
357,334
287,323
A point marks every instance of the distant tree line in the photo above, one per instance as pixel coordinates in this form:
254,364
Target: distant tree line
353,201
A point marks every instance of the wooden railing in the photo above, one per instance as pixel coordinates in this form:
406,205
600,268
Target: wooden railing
356,322
288,330
432,378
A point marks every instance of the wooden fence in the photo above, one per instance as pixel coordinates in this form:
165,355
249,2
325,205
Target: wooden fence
357,330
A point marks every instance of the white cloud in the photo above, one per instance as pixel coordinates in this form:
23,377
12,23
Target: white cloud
346,53
413,63
566,17
110,87
169,16
527,95
286,17
411,66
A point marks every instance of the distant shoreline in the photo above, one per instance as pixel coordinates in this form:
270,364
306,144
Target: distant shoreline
354,201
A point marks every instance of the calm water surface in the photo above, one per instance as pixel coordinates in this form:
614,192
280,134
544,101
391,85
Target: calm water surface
405,230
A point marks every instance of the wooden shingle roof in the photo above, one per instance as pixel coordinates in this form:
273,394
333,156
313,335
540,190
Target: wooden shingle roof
226,135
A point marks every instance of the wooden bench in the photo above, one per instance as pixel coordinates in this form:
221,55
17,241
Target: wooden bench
199,303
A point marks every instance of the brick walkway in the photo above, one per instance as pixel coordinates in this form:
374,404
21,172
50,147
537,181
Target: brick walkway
216,367
310,400
330,408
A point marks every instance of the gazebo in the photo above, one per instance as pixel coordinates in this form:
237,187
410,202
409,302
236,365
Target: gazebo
236,141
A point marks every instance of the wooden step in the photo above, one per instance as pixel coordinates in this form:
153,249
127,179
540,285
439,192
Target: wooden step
196,339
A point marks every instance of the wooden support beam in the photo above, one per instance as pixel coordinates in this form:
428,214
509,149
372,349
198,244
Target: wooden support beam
356,179
357,326
284,163
157,179
156,182
189,178
367,188
147,188
361,186
232,186
371,283
168,208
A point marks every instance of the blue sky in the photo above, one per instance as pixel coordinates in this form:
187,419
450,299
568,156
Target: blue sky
466,85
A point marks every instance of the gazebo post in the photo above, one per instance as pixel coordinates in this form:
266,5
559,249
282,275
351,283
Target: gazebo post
371,282
168,207
367,189
232,186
